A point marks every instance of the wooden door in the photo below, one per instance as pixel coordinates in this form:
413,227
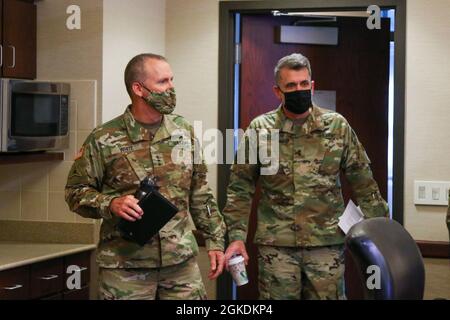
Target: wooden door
357,69
19,39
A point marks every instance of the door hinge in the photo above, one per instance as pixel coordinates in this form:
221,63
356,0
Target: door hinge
237,53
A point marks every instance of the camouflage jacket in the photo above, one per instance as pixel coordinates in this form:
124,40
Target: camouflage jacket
300,204
115,157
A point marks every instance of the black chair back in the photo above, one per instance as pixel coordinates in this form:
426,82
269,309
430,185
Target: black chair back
381,244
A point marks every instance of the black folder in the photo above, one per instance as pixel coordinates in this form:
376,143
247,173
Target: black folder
157,212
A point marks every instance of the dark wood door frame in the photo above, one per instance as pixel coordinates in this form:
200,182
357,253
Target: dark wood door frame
227,9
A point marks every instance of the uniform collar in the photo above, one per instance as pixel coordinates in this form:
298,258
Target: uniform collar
137,132
313,122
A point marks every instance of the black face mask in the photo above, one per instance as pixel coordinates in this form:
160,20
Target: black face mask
297,101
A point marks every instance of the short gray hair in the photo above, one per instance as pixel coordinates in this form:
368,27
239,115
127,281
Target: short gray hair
294,61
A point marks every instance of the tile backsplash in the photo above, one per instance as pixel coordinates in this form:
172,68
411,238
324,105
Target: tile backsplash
35,191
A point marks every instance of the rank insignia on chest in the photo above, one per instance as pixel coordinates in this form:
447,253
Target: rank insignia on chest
158,160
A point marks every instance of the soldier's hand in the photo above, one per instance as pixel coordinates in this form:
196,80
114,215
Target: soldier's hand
236,247
126,207
216,262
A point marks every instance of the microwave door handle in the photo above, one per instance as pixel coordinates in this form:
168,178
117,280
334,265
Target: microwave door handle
14,56
1,55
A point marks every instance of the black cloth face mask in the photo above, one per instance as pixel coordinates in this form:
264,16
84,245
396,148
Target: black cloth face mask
297,101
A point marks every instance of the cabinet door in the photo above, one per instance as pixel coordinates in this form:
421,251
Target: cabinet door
58,296
15,284
83,262
19,39
47,278
81,294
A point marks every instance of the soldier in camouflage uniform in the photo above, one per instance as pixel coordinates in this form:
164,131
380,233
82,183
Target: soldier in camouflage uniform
299,242
114,159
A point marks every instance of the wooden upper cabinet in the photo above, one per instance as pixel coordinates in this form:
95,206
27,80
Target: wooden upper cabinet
18,40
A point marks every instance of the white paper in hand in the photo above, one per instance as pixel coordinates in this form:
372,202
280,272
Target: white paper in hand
352,215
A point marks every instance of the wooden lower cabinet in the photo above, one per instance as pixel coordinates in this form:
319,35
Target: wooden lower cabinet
46,278
58,296
82,294
64,278
15,284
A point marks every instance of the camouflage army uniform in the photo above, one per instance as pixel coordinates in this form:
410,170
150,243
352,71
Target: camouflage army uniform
178,282
300,205
115,157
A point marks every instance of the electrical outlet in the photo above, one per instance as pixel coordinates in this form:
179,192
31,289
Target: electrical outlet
433,193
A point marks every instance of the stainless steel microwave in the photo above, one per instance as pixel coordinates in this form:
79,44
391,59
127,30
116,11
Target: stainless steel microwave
34,115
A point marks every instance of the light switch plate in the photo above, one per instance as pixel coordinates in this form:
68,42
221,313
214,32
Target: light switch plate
432,193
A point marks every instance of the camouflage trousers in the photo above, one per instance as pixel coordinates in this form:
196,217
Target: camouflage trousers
178,282
287,273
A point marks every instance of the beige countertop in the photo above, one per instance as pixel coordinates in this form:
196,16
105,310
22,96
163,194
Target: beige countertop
16,254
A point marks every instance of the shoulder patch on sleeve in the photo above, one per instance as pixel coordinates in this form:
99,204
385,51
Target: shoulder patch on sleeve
79,154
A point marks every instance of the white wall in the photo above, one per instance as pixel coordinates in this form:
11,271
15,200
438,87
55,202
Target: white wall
427,149
64,54
35,192
192,48
129,28
192,35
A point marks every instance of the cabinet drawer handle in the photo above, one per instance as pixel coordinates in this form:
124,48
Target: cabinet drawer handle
14,57
81,269
50,277
17,286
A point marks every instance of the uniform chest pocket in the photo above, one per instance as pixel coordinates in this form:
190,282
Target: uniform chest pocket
281,180
320,155
268,152
120,175
173,164
309,155
331,160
